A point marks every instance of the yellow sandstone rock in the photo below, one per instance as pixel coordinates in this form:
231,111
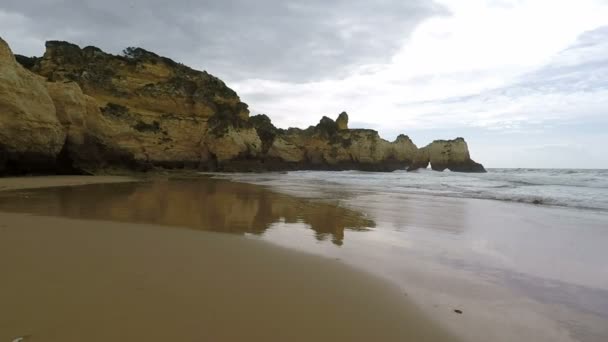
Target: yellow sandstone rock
31,135
82,110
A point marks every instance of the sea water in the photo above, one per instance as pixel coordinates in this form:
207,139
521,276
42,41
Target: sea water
577,188
521,251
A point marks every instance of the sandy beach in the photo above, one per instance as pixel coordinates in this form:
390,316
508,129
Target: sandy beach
66,279
285,261
21,183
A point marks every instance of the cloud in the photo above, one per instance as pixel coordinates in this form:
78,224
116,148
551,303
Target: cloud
473,68
494,71
573,85
236,39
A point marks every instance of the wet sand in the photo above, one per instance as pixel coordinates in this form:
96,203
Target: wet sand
90,280
35,182
517,272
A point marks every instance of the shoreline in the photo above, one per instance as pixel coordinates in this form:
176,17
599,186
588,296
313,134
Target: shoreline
525,199
69,279
50,181
444,254
475,254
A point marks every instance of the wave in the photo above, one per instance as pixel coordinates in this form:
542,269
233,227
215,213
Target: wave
585,189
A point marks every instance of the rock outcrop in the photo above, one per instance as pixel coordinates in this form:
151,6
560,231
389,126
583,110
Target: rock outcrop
342,121
31,135
446,154
154,111
326,146
83,110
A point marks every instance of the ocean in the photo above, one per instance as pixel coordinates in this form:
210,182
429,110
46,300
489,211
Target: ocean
522,251
576,188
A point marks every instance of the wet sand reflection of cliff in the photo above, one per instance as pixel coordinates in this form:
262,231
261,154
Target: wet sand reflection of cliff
205,204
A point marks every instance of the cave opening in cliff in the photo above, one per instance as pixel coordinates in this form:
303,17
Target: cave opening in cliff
65,164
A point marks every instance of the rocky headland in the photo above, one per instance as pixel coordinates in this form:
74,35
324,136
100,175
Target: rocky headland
81,110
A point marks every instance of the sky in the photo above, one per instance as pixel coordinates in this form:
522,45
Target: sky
525,82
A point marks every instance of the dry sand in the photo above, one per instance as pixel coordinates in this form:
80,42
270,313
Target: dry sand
87,280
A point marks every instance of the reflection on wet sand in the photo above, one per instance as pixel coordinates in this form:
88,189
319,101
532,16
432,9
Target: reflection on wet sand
205,204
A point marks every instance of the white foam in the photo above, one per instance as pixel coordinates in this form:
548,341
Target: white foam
586,189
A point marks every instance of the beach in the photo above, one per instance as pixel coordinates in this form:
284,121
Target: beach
67,279
304,171
469,269
21,183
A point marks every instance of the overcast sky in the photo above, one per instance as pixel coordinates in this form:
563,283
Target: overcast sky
524,81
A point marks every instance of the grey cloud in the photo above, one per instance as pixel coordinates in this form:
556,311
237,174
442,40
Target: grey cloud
237,39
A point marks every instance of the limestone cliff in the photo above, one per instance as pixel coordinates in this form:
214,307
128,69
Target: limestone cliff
83,110
331,145
31,135
151,110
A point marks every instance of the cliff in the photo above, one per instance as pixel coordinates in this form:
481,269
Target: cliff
81,110
31,135
330,145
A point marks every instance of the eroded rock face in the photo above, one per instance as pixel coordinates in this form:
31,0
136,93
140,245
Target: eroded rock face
90,136
85,110
151,111
31,135
234,144
446,154
327,146
140,80
342,121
